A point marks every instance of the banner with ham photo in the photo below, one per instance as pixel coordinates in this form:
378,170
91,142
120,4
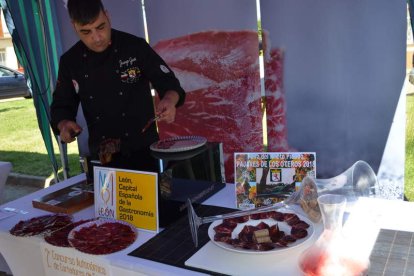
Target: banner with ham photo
216,59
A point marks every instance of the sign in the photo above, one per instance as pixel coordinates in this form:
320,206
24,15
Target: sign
66,261
264,178
131,196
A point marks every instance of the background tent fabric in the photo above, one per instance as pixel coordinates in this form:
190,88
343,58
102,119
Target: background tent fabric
344,66
411,11
36,41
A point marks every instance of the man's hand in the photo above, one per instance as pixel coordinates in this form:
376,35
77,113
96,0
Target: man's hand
166,107
68,130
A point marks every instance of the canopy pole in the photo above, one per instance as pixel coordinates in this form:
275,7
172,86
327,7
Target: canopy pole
62,158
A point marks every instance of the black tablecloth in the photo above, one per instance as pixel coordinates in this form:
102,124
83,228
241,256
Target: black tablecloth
174,245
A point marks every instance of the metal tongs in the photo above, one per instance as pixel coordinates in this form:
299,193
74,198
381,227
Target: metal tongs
150,122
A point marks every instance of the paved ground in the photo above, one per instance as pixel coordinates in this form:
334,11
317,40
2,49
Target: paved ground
20,185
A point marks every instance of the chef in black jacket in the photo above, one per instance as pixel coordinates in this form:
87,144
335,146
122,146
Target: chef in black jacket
109,72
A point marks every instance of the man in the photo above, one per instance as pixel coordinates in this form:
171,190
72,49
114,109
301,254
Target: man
109,72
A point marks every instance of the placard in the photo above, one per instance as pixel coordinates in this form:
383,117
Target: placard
264,178
66,261
67,200
131,196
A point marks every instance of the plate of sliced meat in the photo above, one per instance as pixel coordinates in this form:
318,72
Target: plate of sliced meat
41,225
178,144
103,236
262,233
60,237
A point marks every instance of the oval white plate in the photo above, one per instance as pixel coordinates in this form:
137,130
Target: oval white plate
179,143
283,226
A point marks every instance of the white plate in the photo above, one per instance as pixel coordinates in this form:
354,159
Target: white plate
283,226
179,143
98,223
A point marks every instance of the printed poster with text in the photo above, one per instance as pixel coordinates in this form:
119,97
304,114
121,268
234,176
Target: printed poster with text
131,196
264,178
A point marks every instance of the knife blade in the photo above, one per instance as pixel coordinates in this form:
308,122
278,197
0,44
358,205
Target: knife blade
150,122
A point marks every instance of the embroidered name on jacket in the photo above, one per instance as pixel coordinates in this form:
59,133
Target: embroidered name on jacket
130,73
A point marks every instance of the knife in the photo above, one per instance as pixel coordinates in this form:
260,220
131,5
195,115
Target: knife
150,122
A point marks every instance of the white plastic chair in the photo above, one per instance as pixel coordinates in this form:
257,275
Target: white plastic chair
5,168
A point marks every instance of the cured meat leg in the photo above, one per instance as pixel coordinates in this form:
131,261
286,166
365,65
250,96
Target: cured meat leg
219,70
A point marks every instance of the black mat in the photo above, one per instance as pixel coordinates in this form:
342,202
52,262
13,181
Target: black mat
174,245
393,253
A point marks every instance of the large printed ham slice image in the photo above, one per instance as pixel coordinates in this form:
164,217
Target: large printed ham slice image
275,101
219,70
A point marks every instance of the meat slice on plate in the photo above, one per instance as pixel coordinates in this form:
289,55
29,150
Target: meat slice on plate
40,225
102,236
60,237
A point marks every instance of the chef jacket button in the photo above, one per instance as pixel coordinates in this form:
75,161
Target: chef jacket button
121,93
116,50
97,118
123,114
86,75
117,71
91,97
103,137
126,134
85,55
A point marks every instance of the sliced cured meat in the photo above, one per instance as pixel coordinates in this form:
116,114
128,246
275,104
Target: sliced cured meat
219,70
260,236
165,144
262,225
298,233
222,237
264,215
60,237
224,229
301,224
41,225
288,239
281,243
279,216
248,229
255,216
102,237
275,233
291,218
237,219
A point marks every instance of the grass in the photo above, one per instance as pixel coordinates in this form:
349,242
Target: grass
21,142
409,149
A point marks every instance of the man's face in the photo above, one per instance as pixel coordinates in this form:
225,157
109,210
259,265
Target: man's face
97,34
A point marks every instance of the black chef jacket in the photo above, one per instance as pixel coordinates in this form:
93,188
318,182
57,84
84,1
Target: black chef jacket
114,89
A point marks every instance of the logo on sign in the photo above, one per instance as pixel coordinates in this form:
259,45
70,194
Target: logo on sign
106,184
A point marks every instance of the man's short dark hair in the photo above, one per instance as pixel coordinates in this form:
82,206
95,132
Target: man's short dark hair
84,11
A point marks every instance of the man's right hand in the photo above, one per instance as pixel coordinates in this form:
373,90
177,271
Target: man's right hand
68,130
